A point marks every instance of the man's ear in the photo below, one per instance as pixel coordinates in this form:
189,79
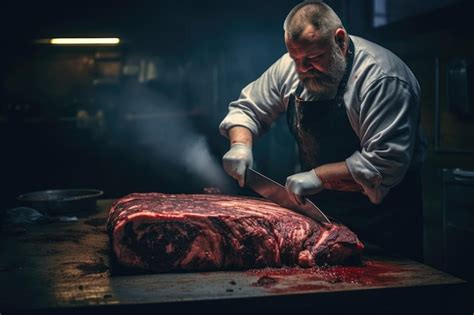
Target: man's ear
340,38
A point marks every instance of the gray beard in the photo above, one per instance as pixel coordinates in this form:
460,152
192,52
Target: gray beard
324,86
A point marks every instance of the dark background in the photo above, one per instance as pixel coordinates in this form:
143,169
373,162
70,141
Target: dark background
144,115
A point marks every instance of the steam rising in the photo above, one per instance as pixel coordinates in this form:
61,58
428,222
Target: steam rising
173,137
200,162
164,126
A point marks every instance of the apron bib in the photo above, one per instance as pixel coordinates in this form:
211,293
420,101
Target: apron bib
324,135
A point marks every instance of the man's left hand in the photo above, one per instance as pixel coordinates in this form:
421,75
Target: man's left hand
302,184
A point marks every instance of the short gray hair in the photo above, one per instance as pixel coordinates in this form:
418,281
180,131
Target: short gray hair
317,13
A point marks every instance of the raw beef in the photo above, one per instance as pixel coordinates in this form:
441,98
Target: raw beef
163,233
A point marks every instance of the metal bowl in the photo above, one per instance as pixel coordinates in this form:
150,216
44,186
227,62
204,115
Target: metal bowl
61,201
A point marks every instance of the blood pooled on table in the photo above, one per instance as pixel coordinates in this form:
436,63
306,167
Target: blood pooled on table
368,273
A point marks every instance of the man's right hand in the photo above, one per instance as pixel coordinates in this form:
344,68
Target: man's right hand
236,161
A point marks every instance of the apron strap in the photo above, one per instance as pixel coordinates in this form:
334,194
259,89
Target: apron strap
350,60
299,90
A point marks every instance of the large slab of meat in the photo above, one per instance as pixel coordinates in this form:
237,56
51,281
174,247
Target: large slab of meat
164,233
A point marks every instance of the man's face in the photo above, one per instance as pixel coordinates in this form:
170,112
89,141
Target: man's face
320,63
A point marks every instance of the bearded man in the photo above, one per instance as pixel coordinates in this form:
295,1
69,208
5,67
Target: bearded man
354,110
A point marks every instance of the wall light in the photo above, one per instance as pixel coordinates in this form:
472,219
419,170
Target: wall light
84,41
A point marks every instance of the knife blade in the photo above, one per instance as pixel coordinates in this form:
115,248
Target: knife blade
277,193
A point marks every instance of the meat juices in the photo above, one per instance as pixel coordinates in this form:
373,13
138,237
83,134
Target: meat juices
164,233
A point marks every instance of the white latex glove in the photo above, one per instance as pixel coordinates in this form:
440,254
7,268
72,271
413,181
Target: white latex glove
303,184
236,161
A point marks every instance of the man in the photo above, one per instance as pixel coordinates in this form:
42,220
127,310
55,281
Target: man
353,108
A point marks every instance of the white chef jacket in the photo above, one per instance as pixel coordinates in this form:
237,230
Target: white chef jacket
382,101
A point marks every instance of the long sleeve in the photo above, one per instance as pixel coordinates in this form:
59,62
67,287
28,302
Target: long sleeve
388,128
261,101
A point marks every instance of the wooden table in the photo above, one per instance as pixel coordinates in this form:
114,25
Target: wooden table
69,266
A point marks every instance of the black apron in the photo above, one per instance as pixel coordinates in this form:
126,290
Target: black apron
324,135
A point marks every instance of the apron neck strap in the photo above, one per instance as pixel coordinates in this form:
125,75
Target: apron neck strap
299,89
345,78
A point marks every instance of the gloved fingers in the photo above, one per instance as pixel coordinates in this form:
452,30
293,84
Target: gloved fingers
236,161
228,166
295,194
230,162
236,169
300,199
293,191
240,174
295,198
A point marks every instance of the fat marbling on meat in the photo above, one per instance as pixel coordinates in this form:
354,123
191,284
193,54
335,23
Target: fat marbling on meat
167,232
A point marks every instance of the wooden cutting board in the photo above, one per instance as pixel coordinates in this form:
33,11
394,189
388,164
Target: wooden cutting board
70,265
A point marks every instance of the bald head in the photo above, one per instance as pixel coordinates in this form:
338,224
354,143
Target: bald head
311,13
318,44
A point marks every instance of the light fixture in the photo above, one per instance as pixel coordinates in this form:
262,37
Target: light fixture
84,41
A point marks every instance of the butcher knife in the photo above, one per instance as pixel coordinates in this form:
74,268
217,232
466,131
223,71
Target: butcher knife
277,193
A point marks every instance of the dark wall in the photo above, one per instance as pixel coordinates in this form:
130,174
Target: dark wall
430,43
142,116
